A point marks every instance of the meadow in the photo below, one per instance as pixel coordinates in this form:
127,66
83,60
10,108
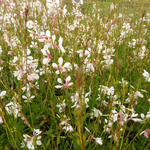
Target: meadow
74,76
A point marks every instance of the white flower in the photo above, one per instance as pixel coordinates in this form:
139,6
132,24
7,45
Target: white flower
141,53
46,61
146,75
98,141
45,49
60,68
53,38
28,97
148,115
32,140
77,99
112,7
48,34
60,45
59,81
66,126
84,53
78,2
19,74
95,113
38,141
32,77
138,94
106,90
1,50
137,120
64,10
134,115
134,118
142,115
13,108
111,91
1,120
29,142
67,83
107,62
30,24
100,46
89,67
27,66
15,59
2,94
61,106
36,132
123,82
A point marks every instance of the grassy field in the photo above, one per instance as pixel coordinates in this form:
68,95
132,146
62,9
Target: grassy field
74,76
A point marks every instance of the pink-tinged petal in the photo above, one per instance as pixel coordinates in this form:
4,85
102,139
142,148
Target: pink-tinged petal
66,84
48,41
49,55
60,61
42,37
68,79
146,133
54,65
58,86
56,46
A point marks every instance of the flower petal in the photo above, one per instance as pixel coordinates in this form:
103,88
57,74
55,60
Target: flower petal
59,80
60,61
58,86
54,65
68,79
70,84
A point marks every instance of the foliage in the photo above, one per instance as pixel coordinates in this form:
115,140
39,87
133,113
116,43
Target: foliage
74,76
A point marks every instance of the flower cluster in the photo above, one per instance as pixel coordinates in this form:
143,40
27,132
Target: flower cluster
31,141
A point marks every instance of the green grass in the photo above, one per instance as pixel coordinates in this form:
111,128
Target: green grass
97,81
